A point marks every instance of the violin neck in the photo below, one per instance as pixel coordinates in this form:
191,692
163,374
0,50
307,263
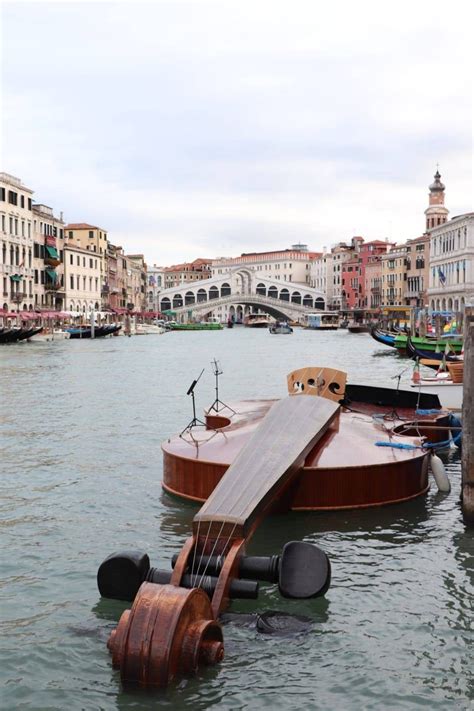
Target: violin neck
264,468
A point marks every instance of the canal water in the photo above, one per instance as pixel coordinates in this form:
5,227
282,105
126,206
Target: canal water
81,424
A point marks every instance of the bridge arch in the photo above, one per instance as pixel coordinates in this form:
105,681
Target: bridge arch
319,303
177,301
165,304
189,298
225,289
284,294
296,297
213,292
261,289
273,292
201,295
308,300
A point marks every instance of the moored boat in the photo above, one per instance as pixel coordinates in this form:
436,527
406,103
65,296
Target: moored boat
358,328
99,331
280,327
322,321
257,321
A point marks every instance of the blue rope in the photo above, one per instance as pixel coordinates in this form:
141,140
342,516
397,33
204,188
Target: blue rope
427,412
425,445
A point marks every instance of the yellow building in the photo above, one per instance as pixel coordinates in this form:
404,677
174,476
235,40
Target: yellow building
394,276
90,238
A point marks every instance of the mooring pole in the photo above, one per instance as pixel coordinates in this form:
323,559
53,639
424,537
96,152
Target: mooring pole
467,490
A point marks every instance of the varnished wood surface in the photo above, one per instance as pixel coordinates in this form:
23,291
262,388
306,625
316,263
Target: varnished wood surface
273,454
353,471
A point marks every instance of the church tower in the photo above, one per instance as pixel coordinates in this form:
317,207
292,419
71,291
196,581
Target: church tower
436,213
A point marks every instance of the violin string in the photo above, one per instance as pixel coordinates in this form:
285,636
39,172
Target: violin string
229,537
203,548
211,553
194,552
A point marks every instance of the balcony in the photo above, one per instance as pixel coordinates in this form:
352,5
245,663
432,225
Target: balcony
51,256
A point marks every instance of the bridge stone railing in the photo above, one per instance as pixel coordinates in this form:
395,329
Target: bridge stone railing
279,307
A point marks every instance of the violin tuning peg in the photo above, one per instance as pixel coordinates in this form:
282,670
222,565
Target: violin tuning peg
121,574
305,571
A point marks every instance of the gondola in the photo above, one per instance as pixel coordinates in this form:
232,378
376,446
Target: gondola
414,352
388,339
315,449
86,331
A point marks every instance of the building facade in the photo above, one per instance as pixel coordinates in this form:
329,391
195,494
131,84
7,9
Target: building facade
290,265
16,249
48,254
156,280
451,268
394,276
82,279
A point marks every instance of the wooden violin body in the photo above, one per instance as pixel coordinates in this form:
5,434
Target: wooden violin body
300,452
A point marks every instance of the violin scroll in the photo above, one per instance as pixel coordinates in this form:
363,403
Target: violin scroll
169,632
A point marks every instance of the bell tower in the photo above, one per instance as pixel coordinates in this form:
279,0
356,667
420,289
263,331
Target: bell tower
436,213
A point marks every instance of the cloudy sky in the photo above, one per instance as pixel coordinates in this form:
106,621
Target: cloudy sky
213,127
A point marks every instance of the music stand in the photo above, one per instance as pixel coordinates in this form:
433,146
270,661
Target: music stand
215,405
195,422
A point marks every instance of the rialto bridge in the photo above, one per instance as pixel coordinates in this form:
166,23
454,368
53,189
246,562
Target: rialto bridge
238,293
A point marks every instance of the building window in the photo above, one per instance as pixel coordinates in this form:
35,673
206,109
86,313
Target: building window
2,194
71,281
22,201
29,203
91,234
12,197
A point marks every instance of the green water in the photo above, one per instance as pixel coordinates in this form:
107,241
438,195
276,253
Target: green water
80,429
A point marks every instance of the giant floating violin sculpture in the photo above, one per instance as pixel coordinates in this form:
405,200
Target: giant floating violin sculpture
269,452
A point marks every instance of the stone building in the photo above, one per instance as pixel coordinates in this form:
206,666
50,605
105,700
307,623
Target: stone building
451,277
394,276
82,279
436,213
16,249
290,265
48,252
181,274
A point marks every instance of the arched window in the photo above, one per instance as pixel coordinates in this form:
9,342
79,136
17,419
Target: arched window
96,306
201,296
456,305
225,289
165,304
450,304
284,295
261,289
443,304
5,307
17,256
308,300
177,301
433,306
189,298
319,303
273,292
296,297
213,292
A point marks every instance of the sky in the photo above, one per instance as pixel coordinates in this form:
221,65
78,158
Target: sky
206,128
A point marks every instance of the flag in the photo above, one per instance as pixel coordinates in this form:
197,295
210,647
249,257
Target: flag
442,277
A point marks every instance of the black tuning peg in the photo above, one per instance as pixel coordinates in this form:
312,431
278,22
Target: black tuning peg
302,570
305,571
121,574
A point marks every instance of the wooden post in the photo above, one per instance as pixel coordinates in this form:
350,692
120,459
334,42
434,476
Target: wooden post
467,490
